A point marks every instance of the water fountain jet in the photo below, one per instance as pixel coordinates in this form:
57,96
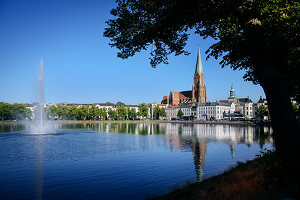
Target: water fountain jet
40,124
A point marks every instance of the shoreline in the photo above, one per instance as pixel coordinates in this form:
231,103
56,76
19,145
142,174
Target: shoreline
247,123
266,177
240,123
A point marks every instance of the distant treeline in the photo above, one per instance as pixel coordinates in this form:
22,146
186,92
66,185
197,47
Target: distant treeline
16,111
92,112
83,112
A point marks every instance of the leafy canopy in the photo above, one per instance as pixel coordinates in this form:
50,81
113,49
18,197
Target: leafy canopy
143,110
180,113
243,30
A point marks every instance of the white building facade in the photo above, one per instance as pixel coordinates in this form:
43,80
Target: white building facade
214,110
171,113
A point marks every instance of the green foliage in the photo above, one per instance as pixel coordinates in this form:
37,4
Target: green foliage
94,112
156,112
159,112
19,111
121,112
102,113
5,111
83,112
163,112
246,32
63,112
262,112
180,113
73,112
119,103
112,113
131,113
53,111
143,110
259,37
15,111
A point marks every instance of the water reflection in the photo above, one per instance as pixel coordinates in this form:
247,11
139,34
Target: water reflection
120,157
39,167
11,127
189,137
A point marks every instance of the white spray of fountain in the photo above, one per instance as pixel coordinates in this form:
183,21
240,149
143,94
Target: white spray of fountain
40,124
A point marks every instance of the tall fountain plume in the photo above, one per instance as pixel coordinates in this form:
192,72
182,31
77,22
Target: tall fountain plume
41,97
41,124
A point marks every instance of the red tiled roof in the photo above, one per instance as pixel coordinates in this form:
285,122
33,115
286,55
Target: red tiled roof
223,101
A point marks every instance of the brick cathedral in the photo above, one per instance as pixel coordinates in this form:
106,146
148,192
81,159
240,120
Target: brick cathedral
198,92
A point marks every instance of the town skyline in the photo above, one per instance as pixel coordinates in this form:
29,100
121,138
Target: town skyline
80,67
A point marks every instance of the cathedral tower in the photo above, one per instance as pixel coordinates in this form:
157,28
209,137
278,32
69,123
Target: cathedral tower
232,92
199,87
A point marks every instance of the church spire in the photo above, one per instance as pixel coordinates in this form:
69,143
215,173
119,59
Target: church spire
232,92
199,88
199,64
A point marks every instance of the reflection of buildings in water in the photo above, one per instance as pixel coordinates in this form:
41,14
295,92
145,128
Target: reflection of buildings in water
196,136
231,135
199,148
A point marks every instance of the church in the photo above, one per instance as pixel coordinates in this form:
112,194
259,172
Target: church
198,92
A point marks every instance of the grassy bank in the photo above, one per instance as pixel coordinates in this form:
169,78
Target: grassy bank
267,177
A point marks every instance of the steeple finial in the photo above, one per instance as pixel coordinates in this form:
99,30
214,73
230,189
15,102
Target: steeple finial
199,63
231,87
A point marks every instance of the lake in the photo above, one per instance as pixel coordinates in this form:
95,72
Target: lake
120,160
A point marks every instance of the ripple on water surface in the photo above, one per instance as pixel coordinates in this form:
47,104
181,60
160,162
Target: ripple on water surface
120,161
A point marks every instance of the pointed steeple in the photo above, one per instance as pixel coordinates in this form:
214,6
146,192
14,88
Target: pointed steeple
199,63
232,92
232,87
199,88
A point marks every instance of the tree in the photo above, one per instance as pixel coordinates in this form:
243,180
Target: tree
65,112
180,113
112,113
121,112
83,112
102,113
131,113
262,112
73,112
5,111
143,110
119,103
163,112
156,112
19,111
260,37
53,111
94,111
128,113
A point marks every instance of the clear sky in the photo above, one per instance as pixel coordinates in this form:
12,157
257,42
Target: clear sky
80,66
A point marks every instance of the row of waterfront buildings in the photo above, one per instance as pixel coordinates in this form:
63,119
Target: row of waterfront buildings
240,108
194,105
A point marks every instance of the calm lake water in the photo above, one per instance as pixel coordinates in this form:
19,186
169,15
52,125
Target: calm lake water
120,161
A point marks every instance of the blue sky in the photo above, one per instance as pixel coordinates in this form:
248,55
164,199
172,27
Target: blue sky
81,67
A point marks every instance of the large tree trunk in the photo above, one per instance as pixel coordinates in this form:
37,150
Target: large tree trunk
283,118
270,69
